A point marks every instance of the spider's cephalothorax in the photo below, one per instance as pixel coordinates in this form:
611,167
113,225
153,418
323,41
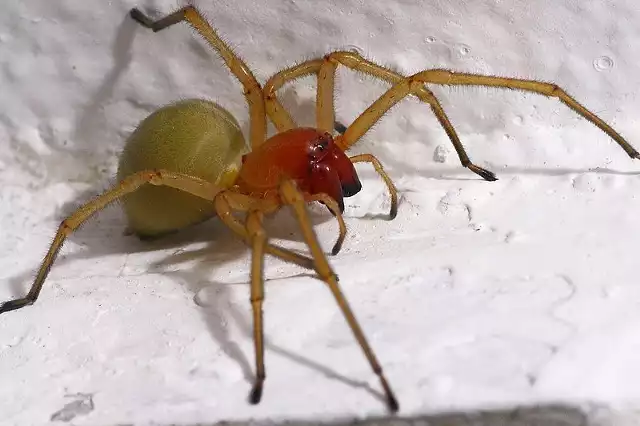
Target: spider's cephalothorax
194,150
309,157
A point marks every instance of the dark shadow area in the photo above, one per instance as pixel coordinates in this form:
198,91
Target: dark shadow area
388,156
563,171
535,415
218,311
458,173
91,121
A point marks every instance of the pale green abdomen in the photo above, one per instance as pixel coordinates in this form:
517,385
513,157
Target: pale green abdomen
195,137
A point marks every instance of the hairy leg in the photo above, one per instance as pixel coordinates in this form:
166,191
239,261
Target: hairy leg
192,185
277,113
294,198
393,192
252,89
333,207
418,88
415,84
224,211
258,243
325,113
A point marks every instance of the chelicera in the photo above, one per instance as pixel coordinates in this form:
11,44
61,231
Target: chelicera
186,162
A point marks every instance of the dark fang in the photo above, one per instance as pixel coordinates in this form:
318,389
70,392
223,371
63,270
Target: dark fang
350,189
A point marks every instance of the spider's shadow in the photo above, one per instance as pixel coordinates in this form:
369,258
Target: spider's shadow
543,414
220,309
91,123
223,247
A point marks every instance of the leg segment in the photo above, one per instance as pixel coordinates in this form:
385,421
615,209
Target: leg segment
415,84
227,201
325,71
445,77
252,89
277,113
192,185
258,244
223,210
368,158
333,207
325,108
294,198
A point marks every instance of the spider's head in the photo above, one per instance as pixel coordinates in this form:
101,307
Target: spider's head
331,171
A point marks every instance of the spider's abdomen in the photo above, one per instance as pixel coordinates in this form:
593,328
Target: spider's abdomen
195,137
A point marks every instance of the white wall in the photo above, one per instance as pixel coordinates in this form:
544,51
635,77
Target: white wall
477,295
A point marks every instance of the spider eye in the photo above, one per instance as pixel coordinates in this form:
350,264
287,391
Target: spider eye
320,147
317,151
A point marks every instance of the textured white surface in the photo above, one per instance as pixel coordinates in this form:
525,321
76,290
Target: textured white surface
478,295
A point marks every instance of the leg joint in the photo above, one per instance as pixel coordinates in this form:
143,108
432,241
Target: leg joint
556,91
414,84
290,193
155,177
329,276
333,57
65,227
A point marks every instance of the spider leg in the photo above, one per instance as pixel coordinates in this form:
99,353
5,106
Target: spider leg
325,72
254,235
186,183
224,212
446,77
416,85
418,88
357,63
277,113
292,196
252,90
333,207
258,244
368,158
192,185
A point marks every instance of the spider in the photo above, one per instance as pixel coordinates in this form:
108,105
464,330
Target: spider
185,163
